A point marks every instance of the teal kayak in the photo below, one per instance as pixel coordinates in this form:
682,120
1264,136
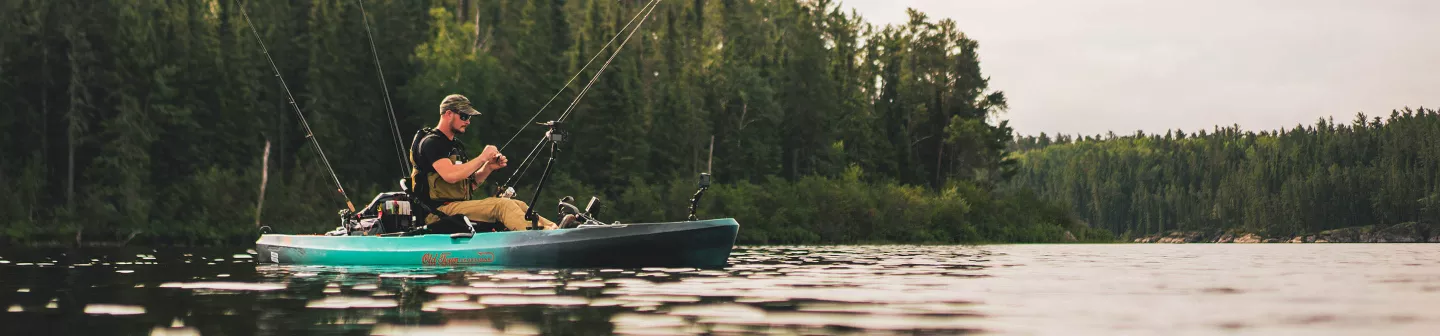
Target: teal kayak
701,244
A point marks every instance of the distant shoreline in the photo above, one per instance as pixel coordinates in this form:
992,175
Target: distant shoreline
1408,232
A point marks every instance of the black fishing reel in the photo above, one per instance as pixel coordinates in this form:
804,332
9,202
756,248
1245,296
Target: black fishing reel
348,222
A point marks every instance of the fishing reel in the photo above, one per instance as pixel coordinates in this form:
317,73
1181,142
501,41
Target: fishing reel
504,192
348,221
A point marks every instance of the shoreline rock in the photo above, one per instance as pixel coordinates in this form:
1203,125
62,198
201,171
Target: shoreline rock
1407,232
1251,238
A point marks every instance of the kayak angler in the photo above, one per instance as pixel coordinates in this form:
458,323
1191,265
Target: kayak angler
499,230
439,180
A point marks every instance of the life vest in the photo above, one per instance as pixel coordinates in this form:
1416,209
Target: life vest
425,184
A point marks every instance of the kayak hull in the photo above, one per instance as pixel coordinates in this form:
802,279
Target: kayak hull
702,244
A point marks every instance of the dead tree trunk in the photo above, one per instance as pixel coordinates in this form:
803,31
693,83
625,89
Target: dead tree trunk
264,177
461,7
475,47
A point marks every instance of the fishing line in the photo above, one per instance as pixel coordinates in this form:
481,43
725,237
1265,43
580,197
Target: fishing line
606,65
520,171
389,107
308,134
646,10
582,70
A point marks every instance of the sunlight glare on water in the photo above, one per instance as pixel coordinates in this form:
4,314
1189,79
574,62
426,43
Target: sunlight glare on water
1003,289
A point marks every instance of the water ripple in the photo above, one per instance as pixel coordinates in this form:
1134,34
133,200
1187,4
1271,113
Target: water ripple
1024,289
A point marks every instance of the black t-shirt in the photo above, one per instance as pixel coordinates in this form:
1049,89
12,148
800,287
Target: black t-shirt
432,147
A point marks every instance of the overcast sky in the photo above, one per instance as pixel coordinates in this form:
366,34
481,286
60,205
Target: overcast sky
1123,65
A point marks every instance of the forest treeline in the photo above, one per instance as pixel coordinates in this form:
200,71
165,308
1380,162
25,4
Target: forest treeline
147,120
1303,180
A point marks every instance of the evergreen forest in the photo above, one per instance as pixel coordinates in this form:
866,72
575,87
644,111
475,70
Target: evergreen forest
164,123
1310,178
161,122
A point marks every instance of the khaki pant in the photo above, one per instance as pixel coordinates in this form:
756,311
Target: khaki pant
508,212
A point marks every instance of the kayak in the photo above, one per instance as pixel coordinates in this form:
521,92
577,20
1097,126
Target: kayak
700,244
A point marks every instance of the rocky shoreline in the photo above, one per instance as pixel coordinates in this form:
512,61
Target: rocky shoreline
1409,232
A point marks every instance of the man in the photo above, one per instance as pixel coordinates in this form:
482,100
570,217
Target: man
443,182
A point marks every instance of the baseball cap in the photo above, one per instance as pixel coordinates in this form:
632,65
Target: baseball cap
457,103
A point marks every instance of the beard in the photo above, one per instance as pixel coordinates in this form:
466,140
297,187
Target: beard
459,129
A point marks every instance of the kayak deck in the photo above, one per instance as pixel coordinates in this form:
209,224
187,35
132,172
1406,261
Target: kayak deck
703,244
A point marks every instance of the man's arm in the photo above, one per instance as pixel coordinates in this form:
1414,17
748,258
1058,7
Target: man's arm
494,164
454,173
479,176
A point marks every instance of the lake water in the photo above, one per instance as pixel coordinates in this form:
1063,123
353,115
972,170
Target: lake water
1003,289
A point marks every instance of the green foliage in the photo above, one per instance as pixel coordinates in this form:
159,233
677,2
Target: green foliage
145,121
816,209
1372,171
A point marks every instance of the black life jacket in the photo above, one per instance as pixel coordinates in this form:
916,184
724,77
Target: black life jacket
420,193
420,182
419,189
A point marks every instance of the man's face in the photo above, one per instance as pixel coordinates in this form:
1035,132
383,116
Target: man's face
459,122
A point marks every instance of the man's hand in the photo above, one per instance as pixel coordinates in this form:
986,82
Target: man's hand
499,162
493,160
488,154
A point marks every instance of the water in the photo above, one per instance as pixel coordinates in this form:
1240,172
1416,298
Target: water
1004,289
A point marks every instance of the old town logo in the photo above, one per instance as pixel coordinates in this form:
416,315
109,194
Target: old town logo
444,259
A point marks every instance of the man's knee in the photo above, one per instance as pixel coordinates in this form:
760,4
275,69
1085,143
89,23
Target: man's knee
500,208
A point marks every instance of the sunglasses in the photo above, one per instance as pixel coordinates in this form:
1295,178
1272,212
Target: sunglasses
463,117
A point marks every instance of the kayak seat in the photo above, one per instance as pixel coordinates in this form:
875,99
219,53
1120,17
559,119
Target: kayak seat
455,224
452,223
448,223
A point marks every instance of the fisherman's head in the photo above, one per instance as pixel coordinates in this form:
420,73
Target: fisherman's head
455,113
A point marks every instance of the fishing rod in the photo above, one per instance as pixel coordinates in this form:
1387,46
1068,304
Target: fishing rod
596,78
554,125
555,135
519,172
308,134
389,107
582,70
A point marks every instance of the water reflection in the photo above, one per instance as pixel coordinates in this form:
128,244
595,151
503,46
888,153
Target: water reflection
766,290
769,289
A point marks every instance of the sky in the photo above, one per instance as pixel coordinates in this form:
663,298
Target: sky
1096,66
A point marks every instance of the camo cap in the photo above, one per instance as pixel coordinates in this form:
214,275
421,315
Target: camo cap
457,103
